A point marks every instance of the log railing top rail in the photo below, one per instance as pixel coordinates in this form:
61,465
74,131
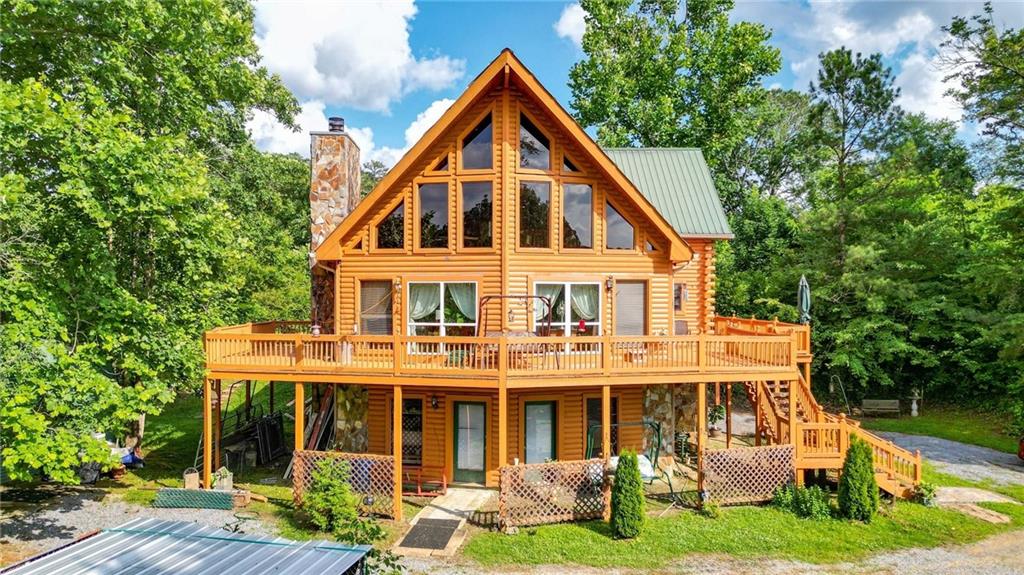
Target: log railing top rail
753,326
289,347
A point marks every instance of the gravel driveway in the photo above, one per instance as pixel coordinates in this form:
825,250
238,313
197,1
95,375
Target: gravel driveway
965,461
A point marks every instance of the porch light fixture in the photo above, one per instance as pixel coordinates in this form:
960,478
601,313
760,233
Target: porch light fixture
609,283
398,284
433,401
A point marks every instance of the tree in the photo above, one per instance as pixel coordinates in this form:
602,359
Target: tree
858,490
122,122
372,173
655,77
627,498
988,63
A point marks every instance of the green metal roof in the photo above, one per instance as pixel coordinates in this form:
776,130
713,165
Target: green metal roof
678,184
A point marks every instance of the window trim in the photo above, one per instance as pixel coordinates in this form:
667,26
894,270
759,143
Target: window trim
430,171
460,144
616,397
460,212
649,294
559,423
552,191
601,312
636,230
375,223
521,110
359,280
594,198
416,184
407,316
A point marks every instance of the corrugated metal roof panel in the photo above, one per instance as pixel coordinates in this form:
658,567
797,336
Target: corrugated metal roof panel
154,547
678,184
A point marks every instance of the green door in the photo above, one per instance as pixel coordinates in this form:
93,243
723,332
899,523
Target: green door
470,460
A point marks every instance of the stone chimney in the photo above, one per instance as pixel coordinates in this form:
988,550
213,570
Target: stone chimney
333,194
334,180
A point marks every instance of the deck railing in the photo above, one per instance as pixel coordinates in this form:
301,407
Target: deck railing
285,346
800,333
824,445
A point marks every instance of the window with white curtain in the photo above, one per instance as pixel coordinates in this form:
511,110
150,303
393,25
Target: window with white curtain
630,307
442,308
575,308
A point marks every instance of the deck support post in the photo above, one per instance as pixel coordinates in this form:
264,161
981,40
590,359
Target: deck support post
396,450
606,440
300,416
270,390
793,438
718,393
218,423
728,415
758,430
702,430
502,423
207,432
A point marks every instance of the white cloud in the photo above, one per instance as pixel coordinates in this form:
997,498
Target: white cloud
571,24
272,136
923,90
349,53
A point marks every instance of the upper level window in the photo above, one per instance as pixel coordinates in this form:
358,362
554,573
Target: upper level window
534,214
442,165
477,147
534,147
619,231
375,307
391,230
476,214
578,216
575,309
442,309
433,216
568,166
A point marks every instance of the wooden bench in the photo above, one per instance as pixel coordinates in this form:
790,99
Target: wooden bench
881,406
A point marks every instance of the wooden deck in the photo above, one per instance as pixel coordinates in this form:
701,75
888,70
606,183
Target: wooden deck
281,349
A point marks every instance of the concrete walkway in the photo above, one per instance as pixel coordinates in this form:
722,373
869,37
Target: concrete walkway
969,462
457,504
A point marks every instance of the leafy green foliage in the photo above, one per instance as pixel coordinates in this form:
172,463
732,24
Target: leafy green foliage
134,214
334,508
628,513
924,493
858,490
804,502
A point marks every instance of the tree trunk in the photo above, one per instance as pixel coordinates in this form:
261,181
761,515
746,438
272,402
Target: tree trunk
136,430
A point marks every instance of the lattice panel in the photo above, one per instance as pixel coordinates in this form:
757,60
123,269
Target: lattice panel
551,492
371,476
747,474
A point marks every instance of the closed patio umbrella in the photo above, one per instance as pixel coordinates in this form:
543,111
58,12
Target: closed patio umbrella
803,300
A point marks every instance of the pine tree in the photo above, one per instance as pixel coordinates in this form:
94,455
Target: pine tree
627,498
858,490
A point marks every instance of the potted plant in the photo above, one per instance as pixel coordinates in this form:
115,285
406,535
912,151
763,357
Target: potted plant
715,415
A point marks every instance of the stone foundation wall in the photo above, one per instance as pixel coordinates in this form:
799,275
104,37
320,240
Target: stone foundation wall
352,404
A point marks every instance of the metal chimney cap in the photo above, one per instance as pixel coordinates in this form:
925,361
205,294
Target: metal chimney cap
336,124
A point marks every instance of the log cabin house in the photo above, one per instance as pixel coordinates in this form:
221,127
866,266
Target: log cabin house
512,293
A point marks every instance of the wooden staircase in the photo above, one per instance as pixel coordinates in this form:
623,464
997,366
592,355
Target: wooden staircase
821,438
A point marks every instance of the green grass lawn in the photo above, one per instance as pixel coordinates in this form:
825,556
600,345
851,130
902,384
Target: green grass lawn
740,532
987,429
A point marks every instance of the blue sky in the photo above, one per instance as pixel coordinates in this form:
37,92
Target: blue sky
392,68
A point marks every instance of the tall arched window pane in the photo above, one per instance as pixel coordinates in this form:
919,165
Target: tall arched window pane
534,147
620,231
578,216
477,147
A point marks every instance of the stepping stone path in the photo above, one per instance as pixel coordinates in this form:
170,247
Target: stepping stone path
966,499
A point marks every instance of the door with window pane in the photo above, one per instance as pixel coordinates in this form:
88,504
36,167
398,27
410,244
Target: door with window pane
575,309
441,309
539,431
594,432
469,454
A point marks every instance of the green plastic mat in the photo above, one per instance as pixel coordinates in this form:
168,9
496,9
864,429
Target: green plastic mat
194,498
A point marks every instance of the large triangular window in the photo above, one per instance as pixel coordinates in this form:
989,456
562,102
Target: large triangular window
477,147
567,165
620,233
534,146
391,230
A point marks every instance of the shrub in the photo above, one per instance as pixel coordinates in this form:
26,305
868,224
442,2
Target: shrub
806,502
711,510
627,498
858,490
924,493
334,508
